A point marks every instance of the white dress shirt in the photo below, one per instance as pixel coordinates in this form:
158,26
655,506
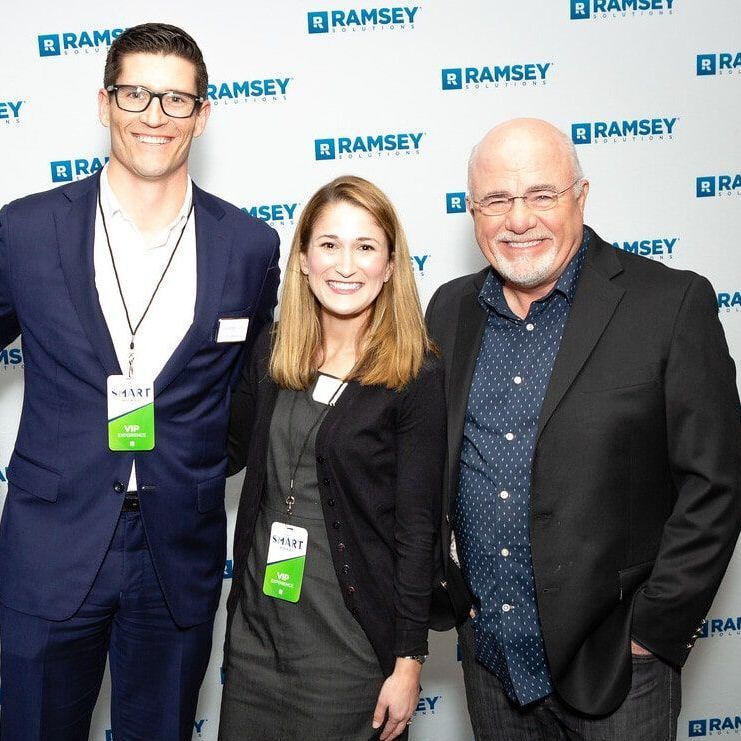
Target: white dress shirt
140,262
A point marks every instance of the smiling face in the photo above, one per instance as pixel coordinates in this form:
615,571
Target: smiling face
150,145
528,248
347,260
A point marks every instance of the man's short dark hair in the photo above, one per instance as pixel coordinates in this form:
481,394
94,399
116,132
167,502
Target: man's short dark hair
155,38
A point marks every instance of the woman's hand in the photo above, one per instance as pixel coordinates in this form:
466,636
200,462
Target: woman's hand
398,697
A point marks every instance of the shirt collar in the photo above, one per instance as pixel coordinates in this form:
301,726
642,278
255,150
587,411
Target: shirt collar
492,292
113,209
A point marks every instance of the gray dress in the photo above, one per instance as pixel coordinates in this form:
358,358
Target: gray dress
303,671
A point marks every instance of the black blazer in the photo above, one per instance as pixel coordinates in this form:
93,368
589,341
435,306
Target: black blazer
634,500
379,463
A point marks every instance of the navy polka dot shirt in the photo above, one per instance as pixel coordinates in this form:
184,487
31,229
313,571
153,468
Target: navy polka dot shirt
491,527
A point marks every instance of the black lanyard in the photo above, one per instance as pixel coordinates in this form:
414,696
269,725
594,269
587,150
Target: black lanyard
290,499
135,329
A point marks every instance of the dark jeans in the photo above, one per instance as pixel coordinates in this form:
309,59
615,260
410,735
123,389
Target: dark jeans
649,712
52,670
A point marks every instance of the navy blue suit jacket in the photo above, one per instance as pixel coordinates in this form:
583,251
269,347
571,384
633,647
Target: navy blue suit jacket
65,486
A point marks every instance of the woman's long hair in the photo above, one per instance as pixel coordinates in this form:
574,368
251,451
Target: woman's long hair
393,346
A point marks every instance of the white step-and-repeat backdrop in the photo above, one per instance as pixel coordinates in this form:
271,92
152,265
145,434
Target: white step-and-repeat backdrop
650,91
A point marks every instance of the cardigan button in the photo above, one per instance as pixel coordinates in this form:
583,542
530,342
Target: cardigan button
320,459
355,612
336,525
330,502
325,482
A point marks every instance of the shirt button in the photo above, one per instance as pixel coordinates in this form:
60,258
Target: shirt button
505,552
351,589
346,568
517,380
509,436
340,547
529,326
506,607
504,495
118,487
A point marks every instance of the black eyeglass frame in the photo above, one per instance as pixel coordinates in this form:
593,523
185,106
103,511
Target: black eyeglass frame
197,100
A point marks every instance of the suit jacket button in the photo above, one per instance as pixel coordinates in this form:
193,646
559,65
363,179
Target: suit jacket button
119,488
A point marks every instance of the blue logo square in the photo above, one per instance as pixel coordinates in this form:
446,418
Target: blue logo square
706,187
324,149
452,78
318,22
581,133
61,171
455,203
698,728
49,45
707,64
579,10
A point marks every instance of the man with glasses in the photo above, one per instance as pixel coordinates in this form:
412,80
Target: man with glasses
594,459
136,294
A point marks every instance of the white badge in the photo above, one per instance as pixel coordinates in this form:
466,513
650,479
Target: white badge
328,389
232,330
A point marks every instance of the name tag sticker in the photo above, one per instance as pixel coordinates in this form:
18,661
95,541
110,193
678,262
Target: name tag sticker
232,330
284,571
130,414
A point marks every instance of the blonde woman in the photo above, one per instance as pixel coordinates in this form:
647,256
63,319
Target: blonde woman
339,420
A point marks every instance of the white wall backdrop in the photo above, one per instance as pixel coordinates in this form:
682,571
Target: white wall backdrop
650,89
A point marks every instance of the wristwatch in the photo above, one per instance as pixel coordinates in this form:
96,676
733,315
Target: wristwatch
420,659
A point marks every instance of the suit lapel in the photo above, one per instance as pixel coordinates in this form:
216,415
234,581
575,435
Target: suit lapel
76,236
468,334
212,259
595,302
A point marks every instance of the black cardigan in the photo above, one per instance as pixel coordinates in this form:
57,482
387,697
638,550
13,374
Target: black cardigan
379,463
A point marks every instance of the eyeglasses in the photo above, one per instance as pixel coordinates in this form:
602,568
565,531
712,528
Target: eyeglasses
539,200
135,99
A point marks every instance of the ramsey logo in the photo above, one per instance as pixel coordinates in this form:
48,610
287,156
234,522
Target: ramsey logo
636,129
428,705
228,569
455,203
255,91
719,627
714,726
710,186
362,19
347,147
10,111
419,262
279,214
65,171
582,10
84,42
725,63
659,248
11,358
729,300
506,75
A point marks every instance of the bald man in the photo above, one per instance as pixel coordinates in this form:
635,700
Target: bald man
594,459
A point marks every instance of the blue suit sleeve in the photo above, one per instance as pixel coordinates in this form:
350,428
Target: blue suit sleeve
9,326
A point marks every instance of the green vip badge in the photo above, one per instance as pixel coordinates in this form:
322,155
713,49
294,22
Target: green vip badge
130,414
284,571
